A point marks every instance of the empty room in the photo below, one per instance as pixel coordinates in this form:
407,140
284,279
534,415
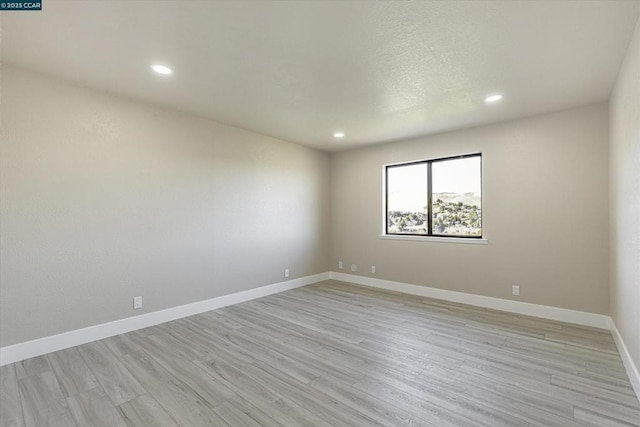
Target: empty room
320,213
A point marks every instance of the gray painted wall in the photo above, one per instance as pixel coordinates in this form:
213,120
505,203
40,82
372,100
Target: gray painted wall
545,211
624,173
104,199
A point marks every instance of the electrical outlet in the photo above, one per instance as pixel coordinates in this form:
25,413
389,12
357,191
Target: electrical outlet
286,272
137,303
373,269
340,265
515,290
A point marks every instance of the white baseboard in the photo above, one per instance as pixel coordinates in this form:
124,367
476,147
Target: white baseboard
535,310
630,367
38,347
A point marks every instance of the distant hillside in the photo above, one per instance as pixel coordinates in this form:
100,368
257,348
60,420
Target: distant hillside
453,214
467,198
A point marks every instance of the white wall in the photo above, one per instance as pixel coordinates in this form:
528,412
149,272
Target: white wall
545,212
103,198
624,202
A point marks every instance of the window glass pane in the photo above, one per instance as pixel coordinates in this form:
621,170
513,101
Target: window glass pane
407,199
456,197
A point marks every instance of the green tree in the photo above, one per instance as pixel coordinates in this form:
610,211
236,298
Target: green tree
473,218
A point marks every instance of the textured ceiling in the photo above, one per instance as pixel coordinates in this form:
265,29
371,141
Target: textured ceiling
379,71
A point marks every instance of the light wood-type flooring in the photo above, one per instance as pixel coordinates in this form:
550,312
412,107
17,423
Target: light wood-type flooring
331,354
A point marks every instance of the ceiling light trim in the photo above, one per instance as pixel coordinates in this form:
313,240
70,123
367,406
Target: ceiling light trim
492,99
161,69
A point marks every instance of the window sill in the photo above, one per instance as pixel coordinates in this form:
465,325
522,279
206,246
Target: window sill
464,241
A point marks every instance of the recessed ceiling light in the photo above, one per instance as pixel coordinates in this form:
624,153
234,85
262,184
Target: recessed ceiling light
493,98
338,135
161,69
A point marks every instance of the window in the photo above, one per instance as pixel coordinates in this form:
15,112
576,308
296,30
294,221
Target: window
440,197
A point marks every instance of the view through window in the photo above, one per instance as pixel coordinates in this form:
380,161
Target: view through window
440,197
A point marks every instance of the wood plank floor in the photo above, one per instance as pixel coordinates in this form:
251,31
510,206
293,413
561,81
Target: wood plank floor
330,354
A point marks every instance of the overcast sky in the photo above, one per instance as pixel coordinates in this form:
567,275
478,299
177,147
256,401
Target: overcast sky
408,185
